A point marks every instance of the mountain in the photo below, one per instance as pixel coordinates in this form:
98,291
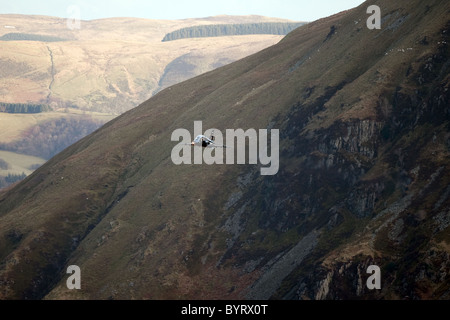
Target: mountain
109,65
89,75
363,180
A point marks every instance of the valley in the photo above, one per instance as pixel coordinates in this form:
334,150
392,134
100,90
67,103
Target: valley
101,70
363,179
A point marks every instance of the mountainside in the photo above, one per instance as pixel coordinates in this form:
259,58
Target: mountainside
105,66
108,65
363,179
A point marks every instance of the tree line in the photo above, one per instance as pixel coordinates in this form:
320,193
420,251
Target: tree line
29,37
49,138
218,30
23,108
10,179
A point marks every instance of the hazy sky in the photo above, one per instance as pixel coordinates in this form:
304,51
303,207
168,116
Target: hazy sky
299,10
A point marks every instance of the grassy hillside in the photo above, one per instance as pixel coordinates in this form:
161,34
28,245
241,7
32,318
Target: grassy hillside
15,167
41,135
108,65
17,163
363,179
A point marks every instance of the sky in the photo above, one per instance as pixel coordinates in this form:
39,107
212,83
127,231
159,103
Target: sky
297,10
